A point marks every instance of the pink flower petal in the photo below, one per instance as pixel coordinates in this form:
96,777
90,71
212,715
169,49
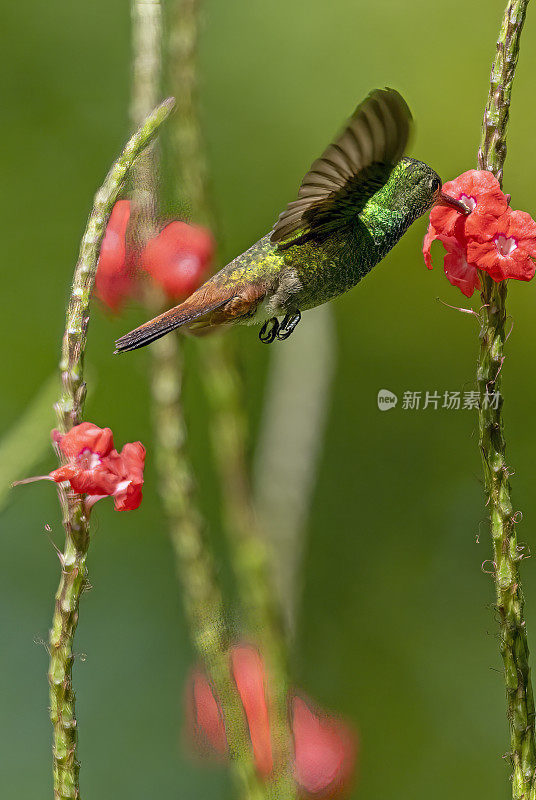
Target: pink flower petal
430,237
521,226
248,672
85,436
459,272
114,281
205,721
325,752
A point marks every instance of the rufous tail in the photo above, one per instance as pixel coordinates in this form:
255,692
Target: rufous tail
208,307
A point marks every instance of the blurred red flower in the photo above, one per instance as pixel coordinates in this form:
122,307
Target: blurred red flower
325,751
114,281
250,679
324,747
97,470
491,238
204,717
178,258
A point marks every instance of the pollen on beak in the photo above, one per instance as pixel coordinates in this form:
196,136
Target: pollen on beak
445,200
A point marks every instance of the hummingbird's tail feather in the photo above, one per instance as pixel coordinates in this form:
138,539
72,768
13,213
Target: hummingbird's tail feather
209,307
177,317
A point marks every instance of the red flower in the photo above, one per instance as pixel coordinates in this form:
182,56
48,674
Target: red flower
457,269
205,718
85,437
324,747
178,258
491,238
250,679
127,469
205,721
96,469
505,247
325,752
480,191
114,281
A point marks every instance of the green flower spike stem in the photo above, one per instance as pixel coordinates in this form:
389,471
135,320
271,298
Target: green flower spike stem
506,554
146,22
75,519
203,601
227,421
228,433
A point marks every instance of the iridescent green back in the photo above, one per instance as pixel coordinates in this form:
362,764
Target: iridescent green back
334,262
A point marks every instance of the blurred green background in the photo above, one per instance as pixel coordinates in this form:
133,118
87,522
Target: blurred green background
395,629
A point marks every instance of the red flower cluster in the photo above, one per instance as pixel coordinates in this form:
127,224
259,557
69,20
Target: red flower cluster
177,259
324,747
96,469
491,238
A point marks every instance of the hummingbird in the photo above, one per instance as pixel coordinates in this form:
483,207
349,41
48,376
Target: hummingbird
353,205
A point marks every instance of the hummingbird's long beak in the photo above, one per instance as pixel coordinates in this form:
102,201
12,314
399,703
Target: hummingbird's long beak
444,200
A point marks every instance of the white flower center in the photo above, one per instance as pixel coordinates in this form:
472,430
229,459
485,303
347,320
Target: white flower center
88,459
505,246
470,202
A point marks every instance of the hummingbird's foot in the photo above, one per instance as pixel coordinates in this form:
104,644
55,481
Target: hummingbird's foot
288,325
269,330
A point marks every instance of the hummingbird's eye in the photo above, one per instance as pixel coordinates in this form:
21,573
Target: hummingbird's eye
435,184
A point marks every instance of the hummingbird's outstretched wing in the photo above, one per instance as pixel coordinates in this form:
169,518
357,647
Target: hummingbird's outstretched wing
349,171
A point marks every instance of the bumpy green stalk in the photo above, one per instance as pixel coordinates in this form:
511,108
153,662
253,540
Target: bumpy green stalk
227,417
506,554
75,520
492,150
69,407
187,135
228,431
146,18
203,600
